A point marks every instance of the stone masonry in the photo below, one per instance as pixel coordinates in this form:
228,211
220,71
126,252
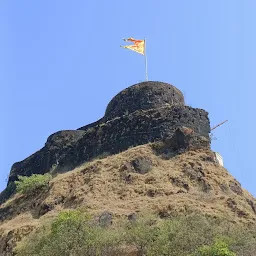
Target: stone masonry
143,113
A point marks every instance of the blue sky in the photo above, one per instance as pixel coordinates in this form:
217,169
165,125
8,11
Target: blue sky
60,64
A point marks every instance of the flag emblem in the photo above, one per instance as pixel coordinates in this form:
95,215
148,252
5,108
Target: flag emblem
137,46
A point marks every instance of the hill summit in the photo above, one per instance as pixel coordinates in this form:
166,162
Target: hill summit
149,153
143,113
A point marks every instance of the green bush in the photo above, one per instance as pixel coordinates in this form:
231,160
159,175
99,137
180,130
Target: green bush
219,248
72,233
243,240
142,234
29,185
66,219
191,235
176,236
76,233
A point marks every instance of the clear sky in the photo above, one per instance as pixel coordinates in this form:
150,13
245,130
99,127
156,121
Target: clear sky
61,63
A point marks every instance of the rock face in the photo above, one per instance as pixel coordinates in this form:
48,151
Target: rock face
143,113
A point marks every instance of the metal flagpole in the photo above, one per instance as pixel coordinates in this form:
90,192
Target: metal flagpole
146,60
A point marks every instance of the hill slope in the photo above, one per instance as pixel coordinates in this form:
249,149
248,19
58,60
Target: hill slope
137,180
149,153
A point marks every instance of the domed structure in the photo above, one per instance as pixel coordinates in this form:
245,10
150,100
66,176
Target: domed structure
143,96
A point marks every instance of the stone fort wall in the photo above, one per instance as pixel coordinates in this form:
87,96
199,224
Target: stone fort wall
143,113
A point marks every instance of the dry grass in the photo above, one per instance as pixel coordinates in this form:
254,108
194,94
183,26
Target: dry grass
186,183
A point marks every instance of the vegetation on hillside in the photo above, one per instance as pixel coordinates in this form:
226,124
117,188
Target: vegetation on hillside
76,233
134,181
33,183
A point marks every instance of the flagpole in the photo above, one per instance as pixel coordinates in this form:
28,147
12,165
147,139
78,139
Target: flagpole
146,60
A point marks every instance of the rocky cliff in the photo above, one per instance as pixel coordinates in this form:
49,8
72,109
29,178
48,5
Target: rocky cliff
150,153
143,113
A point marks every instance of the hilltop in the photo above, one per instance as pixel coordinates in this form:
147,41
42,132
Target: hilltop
142,113
150,153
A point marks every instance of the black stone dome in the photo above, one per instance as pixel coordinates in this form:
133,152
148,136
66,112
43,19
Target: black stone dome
143,96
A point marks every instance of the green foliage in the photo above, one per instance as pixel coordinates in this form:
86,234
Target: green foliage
76,233
181,235
176,236
219,248
67,219
72,233
189,235
142,233
31,184
243,240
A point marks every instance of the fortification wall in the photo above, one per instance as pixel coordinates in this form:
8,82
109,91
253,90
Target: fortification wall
135,129
143,113
67,149
143,96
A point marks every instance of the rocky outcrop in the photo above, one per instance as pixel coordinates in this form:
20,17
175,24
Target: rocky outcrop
143,113
46,159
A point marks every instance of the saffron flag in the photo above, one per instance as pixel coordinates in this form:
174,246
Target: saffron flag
137,46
